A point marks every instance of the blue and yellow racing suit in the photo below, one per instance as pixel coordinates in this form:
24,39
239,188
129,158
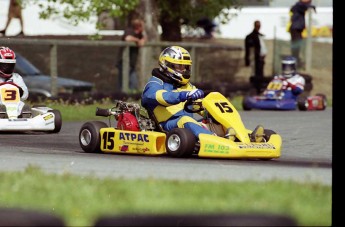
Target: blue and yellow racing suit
161,97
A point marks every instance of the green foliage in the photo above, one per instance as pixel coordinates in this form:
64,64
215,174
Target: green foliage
191,11
81,200
78,10
187,11
80,111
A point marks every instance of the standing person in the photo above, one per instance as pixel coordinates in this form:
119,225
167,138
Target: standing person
255,47
14,11
297,25
254,44
135,34
208,25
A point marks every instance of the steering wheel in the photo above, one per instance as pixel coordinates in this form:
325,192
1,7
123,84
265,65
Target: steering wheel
192,106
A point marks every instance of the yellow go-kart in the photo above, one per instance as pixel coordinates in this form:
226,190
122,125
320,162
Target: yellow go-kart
136,131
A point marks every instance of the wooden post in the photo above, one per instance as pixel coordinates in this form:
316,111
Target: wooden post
308,49
53,70
125,69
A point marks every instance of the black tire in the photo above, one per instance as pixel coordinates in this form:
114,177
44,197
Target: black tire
201,219
180,142
302,103
89,136
268,133
244,105
324,100
17,216
57,120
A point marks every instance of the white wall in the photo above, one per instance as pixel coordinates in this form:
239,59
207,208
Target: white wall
33,25
273,22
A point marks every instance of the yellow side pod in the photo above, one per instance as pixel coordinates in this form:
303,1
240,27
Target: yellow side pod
141,142
218,147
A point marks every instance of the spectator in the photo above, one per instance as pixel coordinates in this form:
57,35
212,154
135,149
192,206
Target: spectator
135,34
14,11
208,26
297,25
254,44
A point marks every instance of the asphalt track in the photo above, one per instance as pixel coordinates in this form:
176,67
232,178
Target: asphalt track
306,153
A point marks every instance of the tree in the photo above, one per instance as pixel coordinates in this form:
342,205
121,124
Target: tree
170,14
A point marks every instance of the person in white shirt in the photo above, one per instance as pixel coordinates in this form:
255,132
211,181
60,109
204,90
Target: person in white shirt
7,63
289,82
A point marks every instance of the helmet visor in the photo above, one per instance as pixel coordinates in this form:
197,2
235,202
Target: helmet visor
7,68
181,68
288,69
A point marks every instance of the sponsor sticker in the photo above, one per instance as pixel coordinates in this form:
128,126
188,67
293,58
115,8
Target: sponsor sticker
46,118
219,149
256,146
133,137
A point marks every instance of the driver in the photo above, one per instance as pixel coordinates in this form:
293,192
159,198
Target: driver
169,87
292,82
7,63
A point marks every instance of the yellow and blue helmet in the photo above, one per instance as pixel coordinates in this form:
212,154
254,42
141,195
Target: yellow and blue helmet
176,63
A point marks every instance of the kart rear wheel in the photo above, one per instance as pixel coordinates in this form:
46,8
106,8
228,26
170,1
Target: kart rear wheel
245,106
57,120
180,142
324,100
89,136
302,103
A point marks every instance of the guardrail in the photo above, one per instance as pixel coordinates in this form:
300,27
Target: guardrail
54,43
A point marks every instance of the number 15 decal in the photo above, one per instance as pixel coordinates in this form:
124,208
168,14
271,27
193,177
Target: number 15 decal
108,140
224,107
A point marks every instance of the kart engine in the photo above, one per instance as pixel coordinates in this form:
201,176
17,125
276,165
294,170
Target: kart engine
126,121
129,118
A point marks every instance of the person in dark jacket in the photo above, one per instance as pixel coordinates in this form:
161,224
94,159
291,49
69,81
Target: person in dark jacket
134,34
254,44
297,25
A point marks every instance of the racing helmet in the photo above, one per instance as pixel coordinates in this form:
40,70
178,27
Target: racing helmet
7,62
176,63
288,66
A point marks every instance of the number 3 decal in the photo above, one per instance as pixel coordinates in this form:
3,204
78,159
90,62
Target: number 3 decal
8,95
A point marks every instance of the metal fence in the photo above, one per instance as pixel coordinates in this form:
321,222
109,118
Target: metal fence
150,49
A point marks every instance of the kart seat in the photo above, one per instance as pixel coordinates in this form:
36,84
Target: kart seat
158,127
3,113
26,112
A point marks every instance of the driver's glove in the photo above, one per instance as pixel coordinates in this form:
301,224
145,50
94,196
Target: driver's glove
193,94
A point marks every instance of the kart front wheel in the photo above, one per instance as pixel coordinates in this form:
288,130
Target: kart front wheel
267,136
89,136
57,120
302,103
180,142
